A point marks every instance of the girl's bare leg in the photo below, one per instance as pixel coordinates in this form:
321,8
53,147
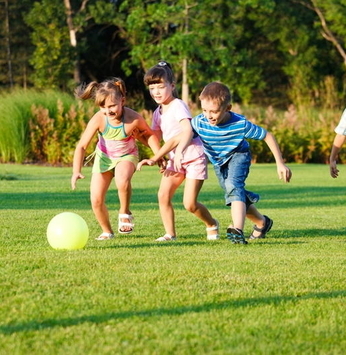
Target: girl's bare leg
123,174
191,191
169,183
98,188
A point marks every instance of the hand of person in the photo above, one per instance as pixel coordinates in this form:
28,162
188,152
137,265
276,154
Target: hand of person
334,171
145,162
162,163
178,157
284,172
140,136
74,178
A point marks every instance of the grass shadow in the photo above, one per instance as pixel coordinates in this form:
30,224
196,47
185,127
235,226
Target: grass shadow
145,198
36,325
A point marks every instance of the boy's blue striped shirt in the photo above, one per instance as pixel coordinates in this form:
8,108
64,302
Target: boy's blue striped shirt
221,141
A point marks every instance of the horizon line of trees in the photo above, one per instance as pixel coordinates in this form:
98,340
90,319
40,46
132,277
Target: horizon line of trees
269,52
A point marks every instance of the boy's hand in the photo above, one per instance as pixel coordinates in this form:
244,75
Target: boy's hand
334,171
284,173
162,163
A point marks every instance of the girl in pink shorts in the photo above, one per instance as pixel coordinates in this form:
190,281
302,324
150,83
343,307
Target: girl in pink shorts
186,163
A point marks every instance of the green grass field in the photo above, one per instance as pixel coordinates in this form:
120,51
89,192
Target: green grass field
285,294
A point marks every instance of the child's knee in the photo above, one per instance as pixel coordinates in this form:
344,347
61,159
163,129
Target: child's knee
190,206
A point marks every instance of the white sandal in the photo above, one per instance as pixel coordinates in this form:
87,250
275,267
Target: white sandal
105,236
215,228
166,238
125,224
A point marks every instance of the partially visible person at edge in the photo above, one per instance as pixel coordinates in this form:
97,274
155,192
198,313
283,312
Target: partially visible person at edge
116,153
224,136
338,142
172,117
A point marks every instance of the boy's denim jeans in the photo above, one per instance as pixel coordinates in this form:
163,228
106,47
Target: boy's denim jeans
232,176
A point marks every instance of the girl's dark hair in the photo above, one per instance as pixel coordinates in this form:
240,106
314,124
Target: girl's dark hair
159,73
114,87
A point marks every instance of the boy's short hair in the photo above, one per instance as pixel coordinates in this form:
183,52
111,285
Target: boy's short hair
217,92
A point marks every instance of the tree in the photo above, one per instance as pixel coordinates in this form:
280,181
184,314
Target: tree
53,53
58,31
331,15
15,46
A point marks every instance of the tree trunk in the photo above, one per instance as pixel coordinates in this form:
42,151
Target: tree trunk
8,45
185,85
73,40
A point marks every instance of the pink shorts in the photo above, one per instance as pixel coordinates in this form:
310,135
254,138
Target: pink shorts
195,169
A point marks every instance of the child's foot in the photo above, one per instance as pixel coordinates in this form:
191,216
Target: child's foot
166,238
213,232
259,233
236,236
125,224
105,236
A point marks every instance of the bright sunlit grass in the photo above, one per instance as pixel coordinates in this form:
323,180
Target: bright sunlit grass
281,295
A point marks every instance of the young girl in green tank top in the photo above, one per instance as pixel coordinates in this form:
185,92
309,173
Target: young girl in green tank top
116,153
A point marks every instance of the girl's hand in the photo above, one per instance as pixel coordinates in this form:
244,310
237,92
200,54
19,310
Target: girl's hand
74,178
178,157
145,162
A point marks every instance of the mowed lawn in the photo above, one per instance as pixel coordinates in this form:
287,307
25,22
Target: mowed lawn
285,294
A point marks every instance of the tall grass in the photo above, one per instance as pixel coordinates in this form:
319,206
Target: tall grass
281,295
305,135
35,124
45,126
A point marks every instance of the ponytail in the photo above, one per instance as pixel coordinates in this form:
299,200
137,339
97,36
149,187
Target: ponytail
85,91
100,91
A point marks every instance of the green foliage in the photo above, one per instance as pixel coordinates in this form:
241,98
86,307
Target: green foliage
53,140
281,295
53,54
45,127
40,126
269,52
304,135
15,45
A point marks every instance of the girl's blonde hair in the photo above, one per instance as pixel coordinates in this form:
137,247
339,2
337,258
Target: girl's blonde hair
160,73
217,92
99,92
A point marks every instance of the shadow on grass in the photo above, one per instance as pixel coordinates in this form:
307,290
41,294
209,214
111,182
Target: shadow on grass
273,197
157,312
308,233
276,238
175,244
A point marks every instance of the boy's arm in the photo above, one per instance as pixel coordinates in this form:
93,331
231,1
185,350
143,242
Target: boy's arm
284,171
338,142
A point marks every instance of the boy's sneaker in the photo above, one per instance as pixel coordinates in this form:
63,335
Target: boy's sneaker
236,236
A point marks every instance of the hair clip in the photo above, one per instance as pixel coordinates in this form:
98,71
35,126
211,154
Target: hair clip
161,64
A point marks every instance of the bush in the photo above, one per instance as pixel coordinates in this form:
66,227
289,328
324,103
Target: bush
44,127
